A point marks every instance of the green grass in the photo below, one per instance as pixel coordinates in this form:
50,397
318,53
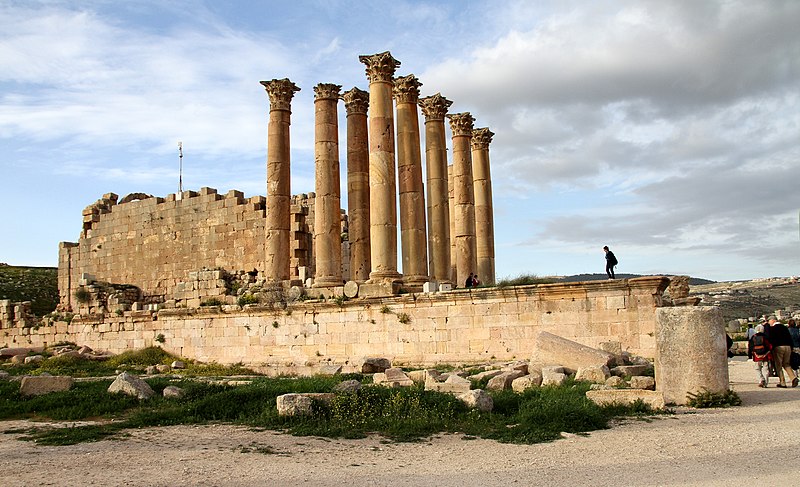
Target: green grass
404,414
36,284
523,280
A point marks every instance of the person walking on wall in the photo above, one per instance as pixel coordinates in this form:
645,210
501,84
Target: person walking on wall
760,351
611,261
781,351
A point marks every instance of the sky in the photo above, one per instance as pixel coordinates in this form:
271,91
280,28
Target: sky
669,131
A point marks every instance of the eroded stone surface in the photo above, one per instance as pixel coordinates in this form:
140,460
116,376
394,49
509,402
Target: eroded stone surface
131,385
42,384
477,399
653,399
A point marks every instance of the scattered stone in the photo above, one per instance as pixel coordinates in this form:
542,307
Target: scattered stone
485,374
519,365
4,375
630,370
10,352
553,378
173,392
534,379
477,399
636,360
643,382
71,353
392,377
626,397
131,385
599,387
178,364
84,350
422,375
372,365
44,384
300,404
163,368
503,381
347,386
151,370
34,359
616,381
454,384
330,370
552,349
18,359
553,369
593,373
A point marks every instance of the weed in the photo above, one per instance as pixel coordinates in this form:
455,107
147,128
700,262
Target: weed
708,399
82,295
275,324
160,338
119,312
385,309
212,302
403,318
246,299
340,300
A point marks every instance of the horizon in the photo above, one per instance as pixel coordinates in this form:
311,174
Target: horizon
666,131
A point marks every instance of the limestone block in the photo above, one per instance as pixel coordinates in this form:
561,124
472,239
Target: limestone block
163,368
422,376
534,379
630,370
487,374
178,364
453,384
392,377
347,386
18,359
552,349
430,287
44,384
379,289
519,365
593,373
643,382
151,370
503,381
10,352
173,392
477,399
131,385
4,375
330,370
615,381
445,286
371,365
300,404
553,378
654,399
691,352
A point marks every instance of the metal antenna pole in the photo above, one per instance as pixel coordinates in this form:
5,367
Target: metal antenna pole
180,167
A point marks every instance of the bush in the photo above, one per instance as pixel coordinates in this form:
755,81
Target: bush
708,399
212,302
82,295
246,299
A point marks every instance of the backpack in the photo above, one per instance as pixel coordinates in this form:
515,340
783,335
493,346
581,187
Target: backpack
760,347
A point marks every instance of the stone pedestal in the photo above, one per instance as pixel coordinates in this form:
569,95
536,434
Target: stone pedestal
382,187
463,197
435,108
484,210
356,102
691,352
409,175
327,219
277,223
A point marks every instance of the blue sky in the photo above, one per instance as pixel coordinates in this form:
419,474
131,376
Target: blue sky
669,131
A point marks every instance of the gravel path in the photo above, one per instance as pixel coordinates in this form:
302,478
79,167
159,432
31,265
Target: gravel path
704,448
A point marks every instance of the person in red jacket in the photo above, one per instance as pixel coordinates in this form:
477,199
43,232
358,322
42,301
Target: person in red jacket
760,351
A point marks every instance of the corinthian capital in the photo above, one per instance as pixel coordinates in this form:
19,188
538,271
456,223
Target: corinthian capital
280,93
461,124
406,89
356,101
481,138
434,107
380,67
326,91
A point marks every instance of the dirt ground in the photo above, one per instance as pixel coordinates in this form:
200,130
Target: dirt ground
720,447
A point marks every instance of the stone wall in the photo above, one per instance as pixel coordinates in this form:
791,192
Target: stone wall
458,326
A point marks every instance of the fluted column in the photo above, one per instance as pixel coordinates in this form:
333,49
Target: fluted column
452,214
484,209
409,176
435,108
279,192
356,103
382,187
327,216
463,196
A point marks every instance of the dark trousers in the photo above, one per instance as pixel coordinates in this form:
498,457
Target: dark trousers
610,270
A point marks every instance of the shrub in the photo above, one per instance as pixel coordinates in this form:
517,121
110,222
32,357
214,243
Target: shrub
82,295
708,399
403,318
211,302
160,338
246,299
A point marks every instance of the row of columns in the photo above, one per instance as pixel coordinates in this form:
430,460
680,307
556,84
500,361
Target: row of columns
460,236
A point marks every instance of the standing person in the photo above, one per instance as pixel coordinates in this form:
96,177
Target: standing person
750,331
794,331
475,281
611,261
759,350
468,282
781,342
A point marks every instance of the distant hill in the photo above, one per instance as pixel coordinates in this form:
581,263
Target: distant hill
693,281
36,284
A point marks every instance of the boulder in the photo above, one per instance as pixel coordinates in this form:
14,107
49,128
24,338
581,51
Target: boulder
178,364
18,359
630,370
552,349
4,375
626,397
643,382
503,381
300,404
520,384
477,399
593,373
163,368
44,384
371,365
616,381
173,392
151,370
454,384
347,386
131,385
553,378
34,359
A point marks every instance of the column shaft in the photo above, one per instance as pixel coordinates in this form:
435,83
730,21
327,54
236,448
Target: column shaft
280,93
409,175
484,209
382,186
452,213
327,215
464,197
435,108
356,103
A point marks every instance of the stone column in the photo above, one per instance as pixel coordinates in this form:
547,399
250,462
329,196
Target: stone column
327,215
382,187
463,196
356,102
484,210
452,230
409,175
435,108
279,192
